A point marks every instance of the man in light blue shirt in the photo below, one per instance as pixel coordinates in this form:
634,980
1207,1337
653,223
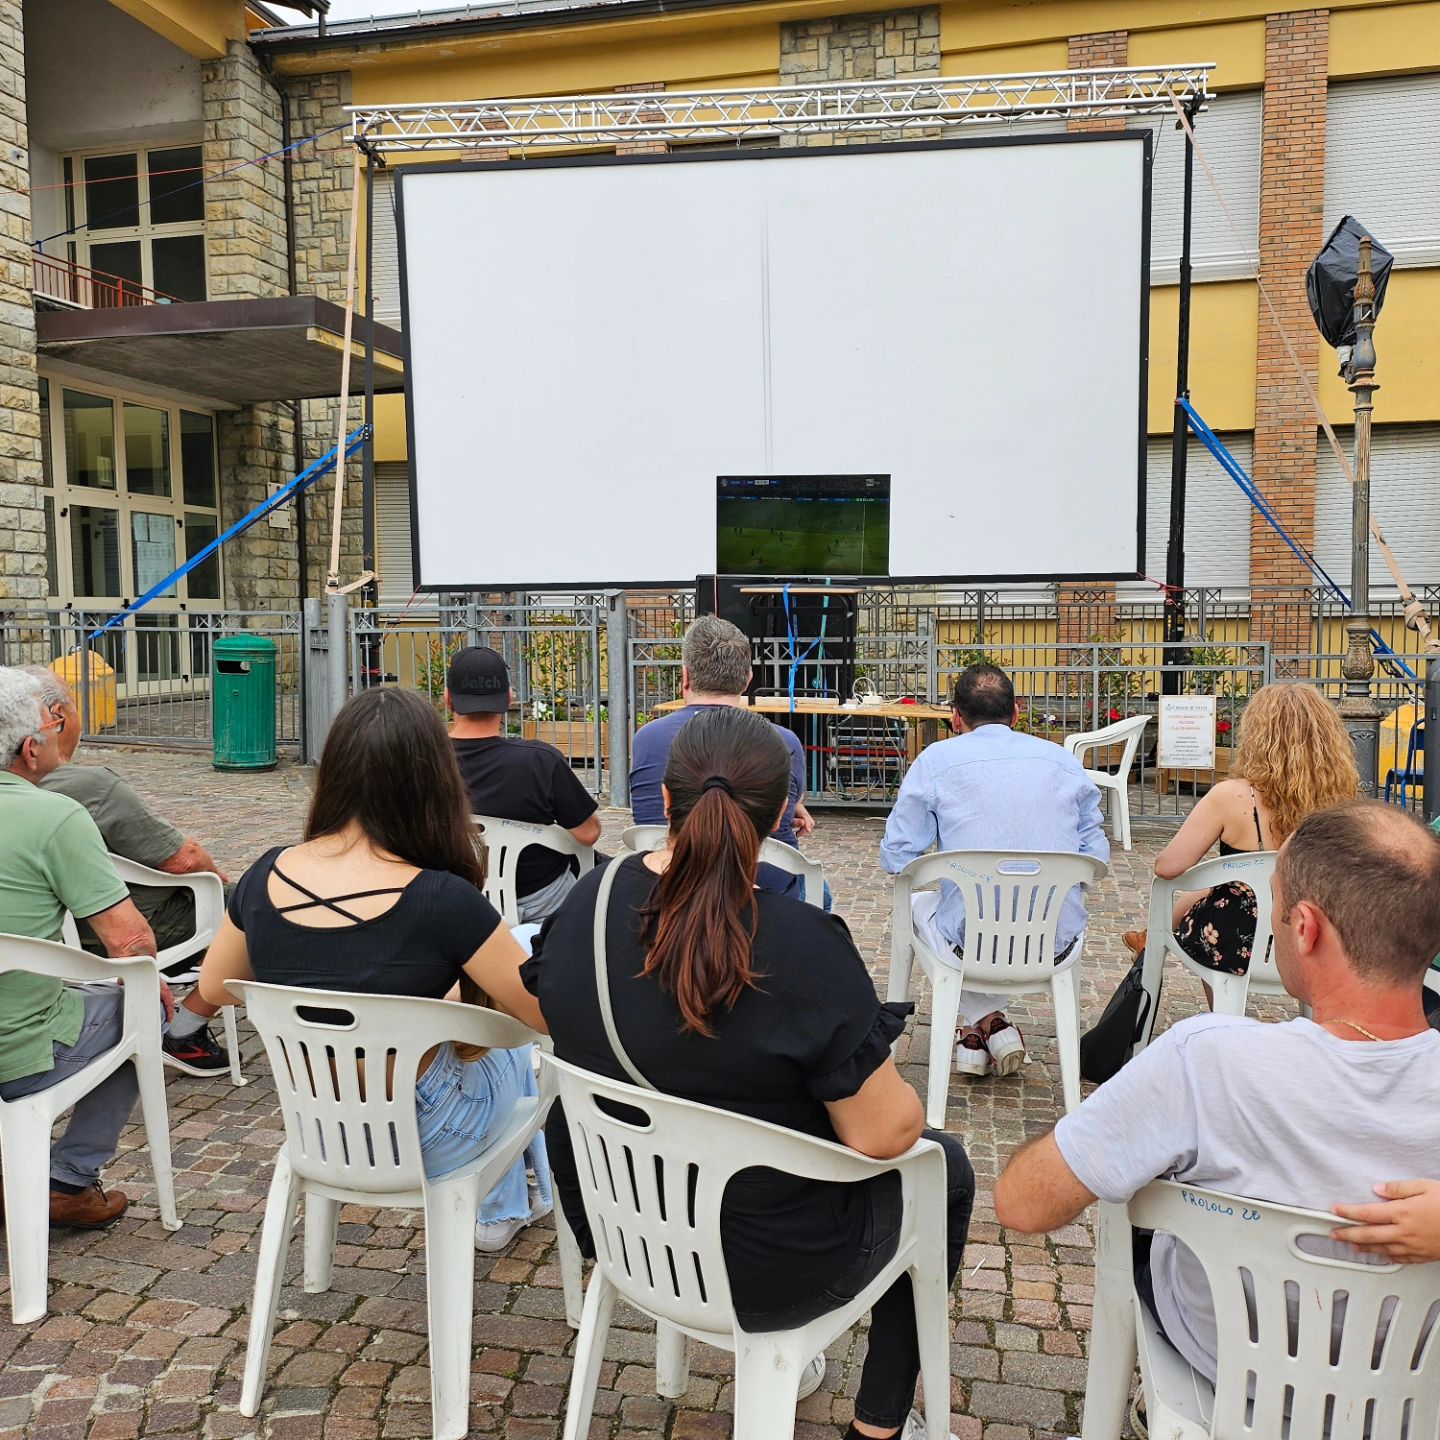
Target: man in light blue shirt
990,788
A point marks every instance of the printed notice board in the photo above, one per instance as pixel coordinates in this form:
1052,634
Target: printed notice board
1187,732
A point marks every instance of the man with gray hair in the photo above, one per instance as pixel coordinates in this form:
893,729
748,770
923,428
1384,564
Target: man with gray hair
716,669
132,830
52,860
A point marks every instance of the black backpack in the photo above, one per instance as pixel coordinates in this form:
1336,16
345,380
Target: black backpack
1108,1043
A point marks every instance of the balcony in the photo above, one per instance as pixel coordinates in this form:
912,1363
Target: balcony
75,288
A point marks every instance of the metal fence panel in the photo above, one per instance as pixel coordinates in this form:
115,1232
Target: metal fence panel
555,653
158,666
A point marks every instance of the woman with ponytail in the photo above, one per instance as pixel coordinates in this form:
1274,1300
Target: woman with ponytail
753,1002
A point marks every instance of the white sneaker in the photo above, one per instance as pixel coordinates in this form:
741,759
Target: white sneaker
811,1377
973,1061
494,1235
914,1428
1007,1048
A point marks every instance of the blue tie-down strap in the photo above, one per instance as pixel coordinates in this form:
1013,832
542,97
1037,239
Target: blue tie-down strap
286,492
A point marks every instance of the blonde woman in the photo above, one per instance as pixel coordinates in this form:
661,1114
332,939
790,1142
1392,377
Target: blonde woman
1294,758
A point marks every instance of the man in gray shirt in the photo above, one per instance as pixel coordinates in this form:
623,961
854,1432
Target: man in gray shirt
1304,1113
131,829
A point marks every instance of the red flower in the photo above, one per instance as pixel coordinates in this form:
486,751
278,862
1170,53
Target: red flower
1116,715
1222,727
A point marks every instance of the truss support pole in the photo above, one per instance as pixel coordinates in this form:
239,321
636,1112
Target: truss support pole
617,701
1172,681
1432,727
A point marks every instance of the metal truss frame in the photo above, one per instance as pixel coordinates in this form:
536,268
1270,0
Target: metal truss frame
874,108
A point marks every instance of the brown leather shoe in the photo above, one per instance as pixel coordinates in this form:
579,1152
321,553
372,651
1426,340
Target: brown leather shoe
89,1210
1135,941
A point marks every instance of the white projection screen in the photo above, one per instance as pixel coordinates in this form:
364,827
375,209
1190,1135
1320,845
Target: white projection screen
593,341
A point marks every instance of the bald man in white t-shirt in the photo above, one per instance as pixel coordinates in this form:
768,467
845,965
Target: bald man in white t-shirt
1306,1113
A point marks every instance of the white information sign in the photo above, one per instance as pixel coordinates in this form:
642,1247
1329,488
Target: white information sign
1187,732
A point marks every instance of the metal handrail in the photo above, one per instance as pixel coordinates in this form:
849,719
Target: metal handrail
67,283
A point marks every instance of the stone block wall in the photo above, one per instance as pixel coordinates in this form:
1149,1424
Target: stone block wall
861,47
22,518
244,208
322,171
1292,203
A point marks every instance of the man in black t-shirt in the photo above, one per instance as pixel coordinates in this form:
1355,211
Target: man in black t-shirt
514,779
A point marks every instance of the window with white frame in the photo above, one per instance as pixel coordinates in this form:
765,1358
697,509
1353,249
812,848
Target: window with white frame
139,216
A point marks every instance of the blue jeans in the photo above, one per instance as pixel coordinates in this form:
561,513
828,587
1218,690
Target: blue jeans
90,1140
461,1106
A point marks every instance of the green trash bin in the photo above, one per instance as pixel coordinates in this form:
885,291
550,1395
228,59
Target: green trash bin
242,697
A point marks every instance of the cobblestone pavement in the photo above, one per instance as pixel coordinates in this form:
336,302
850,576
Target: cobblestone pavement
146,1330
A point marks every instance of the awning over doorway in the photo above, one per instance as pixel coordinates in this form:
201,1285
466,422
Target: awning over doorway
240,351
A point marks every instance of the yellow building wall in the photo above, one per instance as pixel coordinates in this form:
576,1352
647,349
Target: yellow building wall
392,442
1406,347
1237,50
1223,341
708,60
1388,41
202,28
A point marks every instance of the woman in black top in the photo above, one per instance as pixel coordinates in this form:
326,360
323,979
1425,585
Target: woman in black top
383,898
756,1003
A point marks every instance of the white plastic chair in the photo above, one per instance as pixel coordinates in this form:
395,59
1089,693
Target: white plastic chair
653,1188
772,852
209,894
1013,901
1127,732
25,1124
1310,1344
351,1137
1253,868
505,841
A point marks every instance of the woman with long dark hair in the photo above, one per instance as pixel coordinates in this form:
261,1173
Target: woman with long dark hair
756,1003
383,898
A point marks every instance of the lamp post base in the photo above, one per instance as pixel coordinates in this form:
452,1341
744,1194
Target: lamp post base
1358,709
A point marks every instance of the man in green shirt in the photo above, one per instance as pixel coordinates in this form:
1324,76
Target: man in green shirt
129,827
52,859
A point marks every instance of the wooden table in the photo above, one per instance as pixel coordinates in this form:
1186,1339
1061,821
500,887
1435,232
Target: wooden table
923,724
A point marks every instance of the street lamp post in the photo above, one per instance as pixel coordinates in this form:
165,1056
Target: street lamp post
1358,709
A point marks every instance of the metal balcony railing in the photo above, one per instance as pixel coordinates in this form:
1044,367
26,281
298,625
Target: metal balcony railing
66,283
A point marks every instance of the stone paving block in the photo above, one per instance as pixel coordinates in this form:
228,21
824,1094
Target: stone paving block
147,1329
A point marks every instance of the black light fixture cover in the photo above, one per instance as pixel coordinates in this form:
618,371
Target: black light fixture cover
1330,280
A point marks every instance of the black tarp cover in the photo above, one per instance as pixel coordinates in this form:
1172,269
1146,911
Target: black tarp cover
1330,280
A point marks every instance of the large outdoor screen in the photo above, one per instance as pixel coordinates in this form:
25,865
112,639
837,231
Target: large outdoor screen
594,342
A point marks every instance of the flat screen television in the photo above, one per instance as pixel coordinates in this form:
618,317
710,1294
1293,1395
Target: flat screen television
803,525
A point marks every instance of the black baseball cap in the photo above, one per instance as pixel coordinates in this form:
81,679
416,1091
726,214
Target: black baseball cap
479,681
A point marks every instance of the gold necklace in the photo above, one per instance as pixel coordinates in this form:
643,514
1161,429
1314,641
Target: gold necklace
1368,1034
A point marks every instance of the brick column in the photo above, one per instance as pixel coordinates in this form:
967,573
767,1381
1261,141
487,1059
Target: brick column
1292,202
1087,612
646,146
22,518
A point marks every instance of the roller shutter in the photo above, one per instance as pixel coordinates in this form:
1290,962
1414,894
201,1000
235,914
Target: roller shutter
1404,499
385,264
1217,518
1382,160
1229,136
395,580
